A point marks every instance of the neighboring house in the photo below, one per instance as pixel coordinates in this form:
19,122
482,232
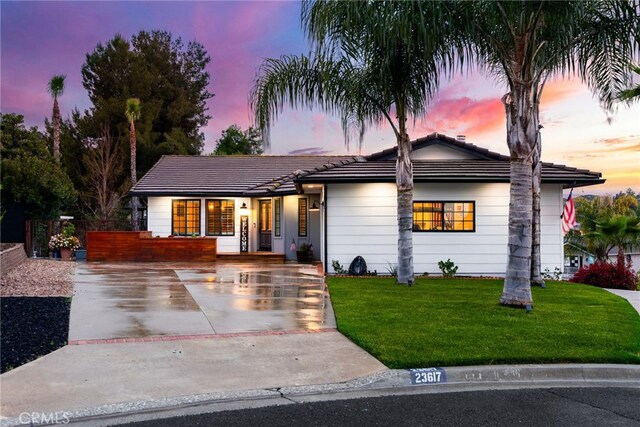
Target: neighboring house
346,205
631,256
576,258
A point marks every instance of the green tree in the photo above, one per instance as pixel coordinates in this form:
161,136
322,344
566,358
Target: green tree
593,212
170,80
618,231
525,44
372,62
29,173
236,141
133,112
55,88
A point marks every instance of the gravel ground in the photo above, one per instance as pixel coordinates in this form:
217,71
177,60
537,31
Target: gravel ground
31,327
39,277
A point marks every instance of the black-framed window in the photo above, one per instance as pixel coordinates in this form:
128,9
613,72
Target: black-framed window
303,214
185,217
277,221
444,216
221,217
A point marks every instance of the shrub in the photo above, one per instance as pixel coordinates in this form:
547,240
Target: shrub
448,268
392,269
606,275
556,274
337,267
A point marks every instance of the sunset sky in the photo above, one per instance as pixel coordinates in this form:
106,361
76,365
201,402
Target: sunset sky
40,39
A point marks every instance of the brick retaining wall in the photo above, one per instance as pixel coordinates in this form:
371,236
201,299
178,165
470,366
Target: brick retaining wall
11,258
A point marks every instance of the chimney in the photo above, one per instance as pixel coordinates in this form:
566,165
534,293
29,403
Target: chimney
461,138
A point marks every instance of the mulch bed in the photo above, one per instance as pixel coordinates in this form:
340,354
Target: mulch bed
31,327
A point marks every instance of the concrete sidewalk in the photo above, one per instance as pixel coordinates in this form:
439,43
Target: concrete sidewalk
632,296
77,377
382,383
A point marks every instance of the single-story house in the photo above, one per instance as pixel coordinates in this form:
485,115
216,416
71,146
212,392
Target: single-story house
345,206
576,257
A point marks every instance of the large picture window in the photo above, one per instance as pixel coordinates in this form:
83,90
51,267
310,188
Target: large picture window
444,216
302,217
220,217
185,217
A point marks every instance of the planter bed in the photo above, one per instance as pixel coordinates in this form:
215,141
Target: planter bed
31,327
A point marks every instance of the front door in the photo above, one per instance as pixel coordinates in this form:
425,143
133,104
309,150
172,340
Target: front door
264,226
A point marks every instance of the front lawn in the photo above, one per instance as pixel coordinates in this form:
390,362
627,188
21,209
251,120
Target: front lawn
440,322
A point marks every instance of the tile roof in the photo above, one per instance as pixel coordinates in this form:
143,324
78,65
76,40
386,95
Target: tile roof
267,174
450,171
231,175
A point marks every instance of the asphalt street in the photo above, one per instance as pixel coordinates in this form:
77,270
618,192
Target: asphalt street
526,407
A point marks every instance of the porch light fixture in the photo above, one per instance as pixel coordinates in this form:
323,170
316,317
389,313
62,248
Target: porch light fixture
244,206
315,206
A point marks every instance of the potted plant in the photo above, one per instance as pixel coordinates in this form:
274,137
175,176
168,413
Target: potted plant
305,253
65,242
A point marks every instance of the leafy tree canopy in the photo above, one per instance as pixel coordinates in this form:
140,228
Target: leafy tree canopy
236,141
29,173
169,79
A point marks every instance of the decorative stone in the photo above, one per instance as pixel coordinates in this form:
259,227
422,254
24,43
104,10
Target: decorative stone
358,266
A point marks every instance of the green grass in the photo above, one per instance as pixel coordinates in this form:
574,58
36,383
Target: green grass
441,322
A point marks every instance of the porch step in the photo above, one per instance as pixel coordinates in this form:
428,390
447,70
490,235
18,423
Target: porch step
254,257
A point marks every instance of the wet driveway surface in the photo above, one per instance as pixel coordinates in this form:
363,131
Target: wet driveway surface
131,300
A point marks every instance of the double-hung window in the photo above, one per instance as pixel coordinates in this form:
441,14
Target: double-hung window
444,216
185,217
220,217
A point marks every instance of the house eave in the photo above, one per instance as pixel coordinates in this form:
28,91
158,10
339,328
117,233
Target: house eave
444,179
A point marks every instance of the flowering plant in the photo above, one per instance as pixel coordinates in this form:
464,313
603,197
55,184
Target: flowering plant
59,241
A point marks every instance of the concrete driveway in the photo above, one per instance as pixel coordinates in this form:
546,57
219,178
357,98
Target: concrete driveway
154,332
134,300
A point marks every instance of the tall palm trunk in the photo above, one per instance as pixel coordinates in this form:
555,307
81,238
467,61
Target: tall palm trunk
404,183
536,257
134,200
56,129
521,139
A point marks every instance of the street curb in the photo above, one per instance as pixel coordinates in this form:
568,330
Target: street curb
389,382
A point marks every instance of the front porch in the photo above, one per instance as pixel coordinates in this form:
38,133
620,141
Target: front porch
253,257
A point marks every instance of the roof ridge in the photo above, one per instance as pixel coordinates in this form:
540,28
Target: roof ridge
442,137
257,155
277,182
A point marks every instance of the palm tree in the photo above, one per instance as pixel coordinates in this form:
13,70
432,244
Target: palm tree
525,43
55,88
372,62
132,111
618,231
631,94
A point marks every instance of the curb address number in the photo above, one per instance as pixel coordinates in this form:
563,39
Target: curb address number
428,376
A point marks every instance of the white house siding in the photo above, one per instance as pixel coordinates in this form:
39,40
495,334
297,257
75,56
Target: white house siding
361,220
290,225
159,219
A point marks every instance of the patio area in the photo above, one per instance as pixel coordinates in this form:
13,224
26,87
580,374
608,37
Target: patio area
135,300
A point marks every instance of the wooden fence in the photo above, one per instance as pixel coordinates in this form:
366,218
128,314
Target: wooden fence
38,233
140,246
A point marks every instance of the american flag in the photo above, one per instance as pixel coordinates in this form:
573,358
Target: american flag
568,215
